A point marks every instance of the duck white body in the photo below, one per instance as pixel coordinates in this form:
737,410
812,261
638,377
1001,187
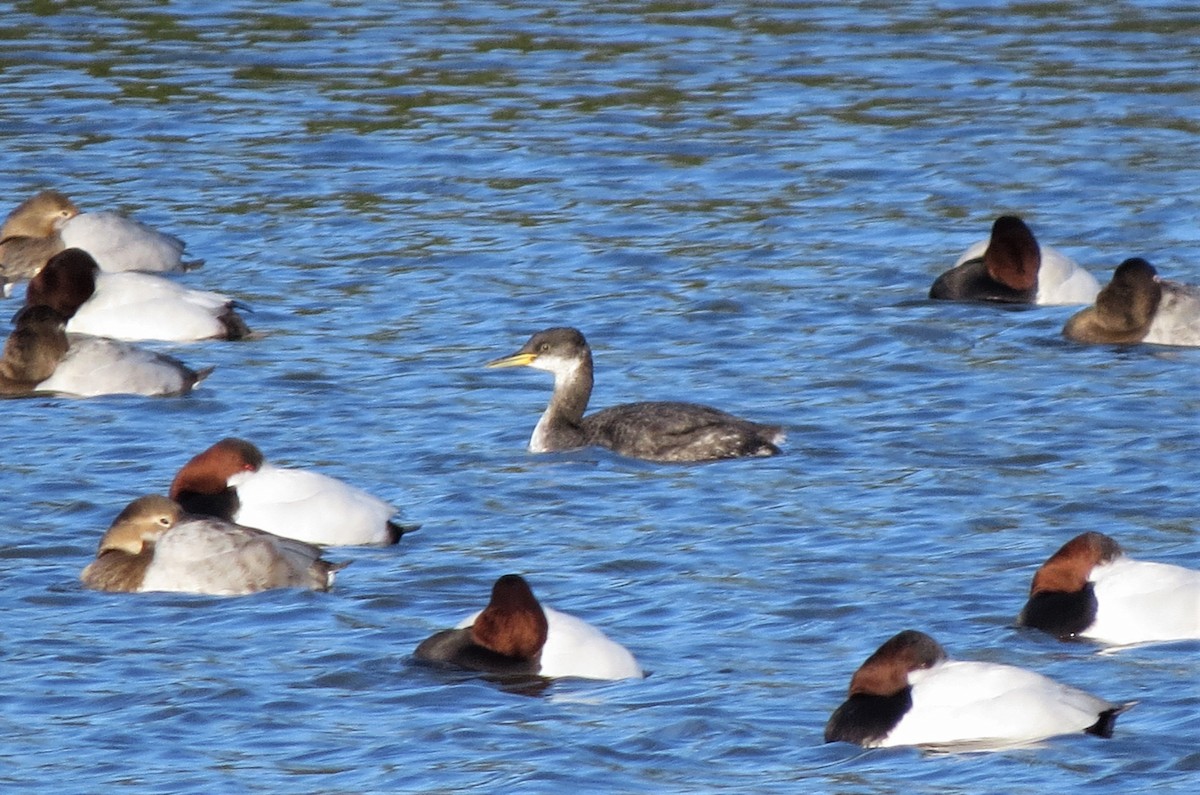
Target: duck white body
1177,319
118,243
205,555
990,705
1142,602
310,506
142,306
1089,588
96,366
910,693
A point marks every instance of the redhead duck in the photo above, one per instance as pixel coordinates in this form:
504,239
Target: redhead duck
1010,267
515,634
910,693
153,545
673,432
232,480
1090,589
130,306
40,357
1138,306
49,222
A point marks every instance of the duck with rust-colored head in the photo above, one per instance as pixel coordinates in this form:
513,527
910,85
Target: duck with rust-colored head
517,635
232,480
1011,267
910,693
1090,589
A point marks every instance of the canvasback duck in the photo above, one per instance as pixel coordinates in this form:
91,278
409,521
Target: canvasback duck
232,480
153,545
1138,306
131,306
661,431
1011,267
515,634
40,357
1090,589
49,222
909,693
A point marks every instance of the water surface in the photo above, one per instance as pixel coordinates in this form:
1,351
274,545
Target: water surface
741,204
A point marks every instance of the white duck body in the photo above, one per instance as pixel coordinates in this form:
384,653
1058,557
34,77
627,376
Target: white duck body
205,555
1177,319
988,705
118,243
310,506
98,366
142,306
1141,602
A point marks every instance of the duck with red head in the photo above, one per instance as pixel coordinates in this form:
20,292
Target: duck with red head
234,481
130,305
1139,307
910,693
1090,589
1011,267
515,634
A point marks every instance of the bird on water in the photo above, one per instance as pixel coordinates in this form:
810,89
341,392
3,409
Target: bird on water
654,431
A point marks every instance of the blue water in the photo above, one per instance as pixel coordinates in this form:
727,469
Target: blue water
741,204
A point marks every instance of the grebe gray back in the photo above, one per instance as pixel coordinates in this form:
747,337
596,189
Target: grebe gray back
655,431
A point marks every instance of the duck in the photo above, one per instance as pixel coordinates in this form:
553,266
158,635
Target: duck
153,545
48,222
1011,267
130,305
40,357
232,480
909,693
1136,306
516,635
655,431
1090,589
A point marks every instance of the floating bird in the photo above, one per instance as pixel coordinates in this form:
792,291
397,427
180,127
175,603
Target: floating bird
232,480
131,306
153,545
909,693
49,222
1090,589
516,635
1138,306
662,431
40,357
1010,267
